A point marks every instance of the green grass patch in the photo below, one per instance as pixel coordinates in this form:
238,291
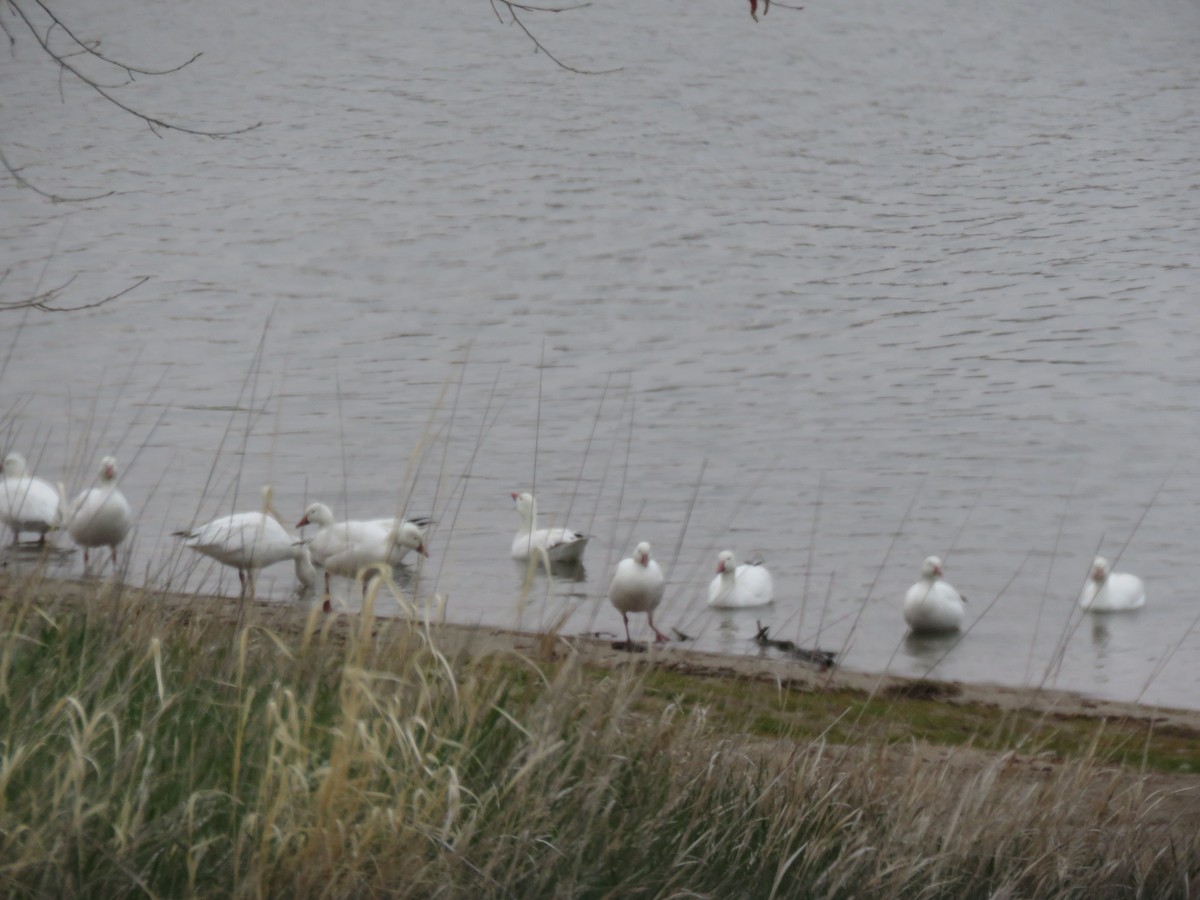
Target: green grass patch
763,708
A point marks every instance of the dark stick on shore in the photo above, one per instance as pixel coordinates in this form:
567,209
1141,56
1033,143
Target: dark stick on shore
629,646
822,659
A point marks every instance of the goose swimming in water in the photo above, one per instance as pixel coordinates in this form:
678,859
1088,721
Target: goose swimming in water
737,587
558,544
933,605
1107,591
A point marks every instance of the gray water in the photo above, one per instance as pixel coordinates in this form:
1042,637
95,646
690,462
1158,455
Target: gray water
845,288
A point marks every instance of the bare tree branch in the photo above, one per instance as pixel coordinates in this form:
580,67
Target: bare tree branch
41,301
551,9
24,182
12,41
63,60
512,6
90,47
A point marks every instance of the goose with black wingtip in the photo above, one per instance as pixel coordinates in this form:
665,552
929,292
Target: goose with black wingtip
558,544
249,542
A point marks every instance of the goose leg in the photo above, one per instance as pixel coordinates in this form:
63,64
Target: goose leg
659,637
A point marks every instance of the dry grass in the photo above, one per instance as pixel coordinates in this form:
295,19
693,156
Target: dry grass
158,751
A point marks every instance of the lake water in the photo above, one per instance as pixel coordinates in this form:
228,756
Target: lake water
844,288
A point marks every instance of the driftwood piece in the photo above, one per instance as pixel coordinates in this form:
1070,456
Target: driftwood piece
822,659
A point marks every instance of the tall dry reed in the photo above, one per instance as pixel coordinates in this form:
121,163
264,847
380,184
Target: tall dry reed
152,749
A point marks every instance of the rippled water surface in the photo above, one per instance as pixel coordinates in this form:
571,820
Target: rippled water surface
845,288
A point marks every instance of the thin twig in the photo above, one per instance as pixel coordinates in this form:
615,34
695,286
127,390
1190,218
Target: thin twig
65,66
89,47
40,301
538,45
56,198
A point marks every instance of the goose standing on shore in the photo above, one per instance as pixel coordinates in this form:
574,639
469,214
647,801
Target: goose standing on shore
739,587
100,516
346,548
1107,591
558,544
28,503
637,586
249,542
932,605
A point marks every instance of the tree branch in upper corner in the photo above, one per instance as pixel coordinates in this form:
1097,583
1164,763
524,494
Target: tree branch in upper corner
71,56
513,7
35,15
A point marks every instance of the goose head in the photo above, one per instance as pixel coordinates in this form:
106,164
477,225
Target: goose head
526,505
108,468
931,568
14,465
316,514
411,537
1099,570
726,562
641,554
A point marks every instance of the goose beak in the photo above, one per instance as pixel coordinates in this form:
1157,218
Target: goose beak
421,549
302,522
720,567
515,495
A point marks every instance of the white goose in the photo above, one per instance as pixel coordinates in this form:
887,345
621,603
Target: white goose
100,516
932,605
346,548
28,503
421,523
250,541
558,544
1107,591
741,586
637,586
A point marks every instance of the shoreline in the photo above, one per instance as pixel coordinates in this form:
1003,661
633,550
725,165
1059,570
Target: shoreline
945,732
787,674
